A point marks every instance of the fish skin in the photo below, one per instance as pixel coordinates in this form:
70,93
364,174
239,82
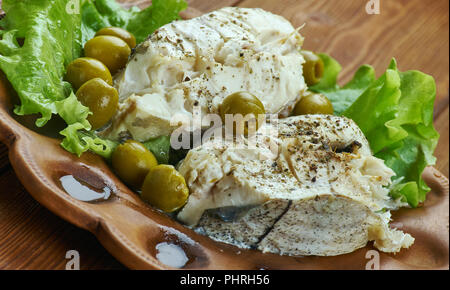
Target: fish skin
317,166
248,230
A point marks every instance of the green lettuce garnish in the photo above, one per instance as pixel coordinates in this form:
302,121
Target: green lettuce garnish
160,147
36,46
395,113
80,139
39,38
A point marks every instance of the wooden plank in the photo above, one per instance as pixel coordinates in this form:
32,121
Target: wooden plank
34,238
4,160
442,151
415,32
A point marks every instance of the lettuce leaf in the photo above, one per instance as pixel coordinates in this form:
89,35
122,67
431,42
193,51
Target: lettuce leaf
395,113
80,139
160,147
39,38
97,14
343,97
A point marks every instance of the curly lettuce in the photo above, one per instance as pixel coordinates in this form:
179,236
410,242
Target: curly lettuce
36,46
39,38
395,113
160,147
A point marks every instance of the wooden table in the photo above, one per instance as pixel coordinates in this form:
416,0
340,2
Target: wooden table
414,31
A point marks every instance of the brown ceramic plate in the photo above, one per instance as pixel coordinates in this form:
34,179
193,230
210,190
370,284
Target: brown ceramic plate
130,229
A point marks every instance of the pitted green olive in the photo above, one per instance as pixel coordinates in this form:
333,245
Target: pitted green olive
120,33
313,104
101,99
132,161
165,188
313,68
242,103
84,69
110,50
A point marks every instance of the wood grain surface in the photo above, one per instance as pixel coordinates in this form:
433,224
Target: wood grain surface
415,32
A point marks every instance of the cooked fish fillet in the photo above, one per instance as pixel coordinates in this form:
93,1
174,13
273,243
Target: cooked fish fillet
322,193
198,62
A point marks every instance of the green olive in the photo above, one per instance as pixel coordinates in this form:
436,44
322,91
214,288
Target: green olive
165,188
83,69
313,104
120,33
313,68
101,99
110,50
242,103
132,161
